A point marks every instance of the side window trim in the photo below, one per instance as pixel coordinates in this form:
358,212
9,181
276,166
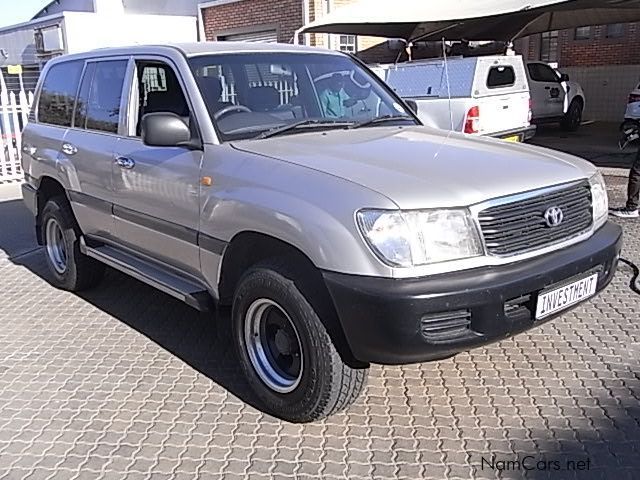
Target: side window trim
79,89
127,103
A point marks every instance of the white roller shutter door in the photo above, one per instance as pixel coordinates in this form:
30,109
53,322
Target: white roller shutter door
267,36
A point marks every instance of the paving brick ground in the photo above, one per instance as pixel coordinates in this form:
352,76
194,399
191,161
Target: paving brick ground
125,382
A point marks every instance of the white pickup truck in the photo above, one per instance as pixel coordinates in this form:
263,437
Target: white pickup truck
486,95
554,98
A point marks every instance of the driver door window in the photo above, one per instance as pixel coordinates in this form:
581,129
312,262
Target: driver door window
157,89
542,73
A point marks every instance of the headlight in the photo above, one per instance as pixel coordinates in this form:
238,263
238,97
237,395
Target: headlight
600,199
420,237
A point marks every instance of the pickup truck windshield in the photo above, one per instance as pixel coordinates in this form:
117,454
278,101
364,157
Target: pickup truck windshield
250,94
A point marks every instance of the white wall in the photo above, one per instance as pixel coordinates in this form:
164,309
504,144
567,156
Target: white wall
89,31
606,89
108,7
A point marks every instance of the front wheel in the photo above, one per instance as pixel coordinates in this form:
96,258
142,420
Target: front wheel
573,118
285,351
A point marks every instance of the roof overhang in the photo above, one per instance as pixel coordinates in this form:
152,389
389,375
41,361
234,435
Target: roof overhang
470,19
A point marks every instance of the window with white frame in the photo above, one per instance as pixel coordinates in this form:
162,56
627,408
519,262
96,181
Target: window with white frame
347,43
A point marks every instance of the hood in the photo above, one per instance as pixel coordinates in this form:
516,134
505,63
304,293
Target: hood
419,167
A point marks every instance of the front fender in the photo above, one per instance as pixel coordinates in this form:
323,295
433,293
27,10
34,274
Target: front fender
307,209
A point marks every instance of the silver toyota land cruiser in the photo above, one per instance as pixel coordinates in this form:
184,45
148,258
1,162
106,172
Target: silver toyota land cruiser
291,184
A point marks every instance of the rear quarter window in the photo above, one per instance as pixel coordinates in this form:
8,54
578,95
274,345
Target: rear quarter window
501,76
58,94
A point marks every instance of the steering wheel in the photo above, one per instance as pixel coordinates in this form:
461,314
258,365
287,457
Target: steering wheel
230,109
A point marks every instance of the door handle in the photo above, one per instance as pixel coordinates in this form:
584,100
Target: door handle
29,149
547,88
125,162
69,149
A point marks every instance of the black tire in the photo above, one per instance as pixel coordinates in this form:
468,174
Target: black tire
326,384
573,118
80,272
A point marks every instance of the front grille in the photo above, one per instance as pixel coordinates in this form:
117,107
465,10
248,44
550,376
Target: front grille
520,227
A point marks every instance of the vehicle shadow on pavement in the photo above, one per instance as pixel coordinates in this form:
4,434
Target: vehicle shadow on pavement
17,233
597,143
200,339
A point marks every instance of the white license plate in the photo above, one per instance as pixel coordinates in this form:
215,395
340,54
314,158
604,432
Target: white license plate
566,296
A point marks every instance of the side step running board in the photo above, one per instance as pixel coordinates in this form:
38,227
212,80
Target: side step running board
168,282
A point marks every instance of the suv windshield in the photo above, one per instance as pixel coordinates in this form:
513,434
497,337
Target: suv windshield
250,95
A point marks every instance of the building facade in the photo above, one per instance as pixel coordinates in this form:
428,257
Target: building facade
70,26
275,21
604,59
598,45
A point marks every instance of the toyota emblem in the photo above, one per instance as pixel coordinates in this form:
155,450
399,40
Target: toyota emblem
554,216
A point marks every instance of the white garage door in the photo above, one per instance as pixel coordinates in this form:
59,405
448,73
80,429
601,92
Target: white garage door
267,36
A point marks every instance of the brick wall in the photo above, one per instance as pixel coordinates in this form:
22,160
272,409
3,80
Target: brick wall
286,15
606,68
596,51
600,50
246,15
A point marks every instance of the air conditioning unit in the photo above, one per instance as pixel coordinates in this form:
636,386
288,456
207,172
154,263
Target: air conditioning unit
49,40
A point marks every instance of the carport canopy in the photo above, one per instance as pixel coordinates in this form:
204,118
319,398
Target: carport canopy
472,20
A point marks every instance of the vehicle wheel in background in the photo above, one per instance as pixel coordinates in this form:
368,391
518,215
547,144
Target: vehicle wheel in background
573,118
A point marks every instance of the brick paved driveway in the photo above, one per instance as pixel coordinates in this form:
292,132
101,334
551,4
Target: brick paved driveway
125,382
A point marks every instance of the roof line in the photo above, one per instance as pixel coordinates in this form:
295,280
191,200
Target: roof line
32,22
44,8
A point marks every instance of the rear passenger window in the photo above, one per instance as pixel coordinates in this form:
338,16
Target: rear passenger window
501,76
103,105
58,94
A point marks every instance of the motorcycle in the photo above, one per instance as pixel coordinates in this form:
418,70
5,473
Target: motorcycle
630,132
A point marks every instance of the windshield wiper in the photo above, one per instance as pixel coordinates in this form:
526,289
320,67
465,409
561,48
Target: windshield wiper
383,119
272,132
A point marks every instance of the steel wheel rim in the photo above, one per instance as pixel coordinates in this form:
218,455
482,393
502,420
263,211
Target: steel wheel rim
56,250
273,345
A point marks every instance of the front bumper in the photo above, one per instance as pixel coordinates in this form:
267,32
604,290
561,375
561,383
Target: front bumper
390,321
523,133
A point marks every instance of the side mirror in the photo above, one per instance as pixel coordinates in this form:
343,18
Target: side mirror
165,130
564,77
413,106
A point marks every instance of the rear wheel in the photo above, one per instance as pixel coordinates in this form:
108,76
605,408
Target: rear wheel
573,118
285,351
70,269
